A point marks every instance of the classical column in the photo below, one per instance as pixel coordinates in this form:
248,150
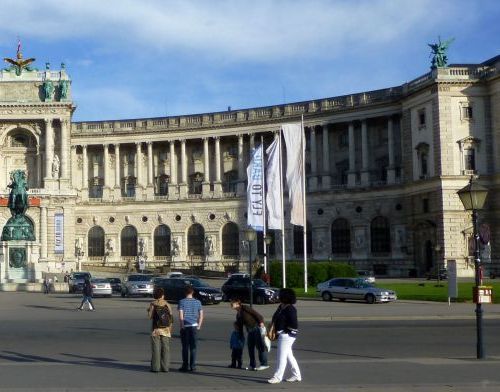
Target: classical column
65,149
183,185
106,165
241,168
206,168
49,150
391,170
138,168
351,175
313,179
326,158
85,169
173,163
218,182
43,232
365,173
252,142
150,163
39,167
117,166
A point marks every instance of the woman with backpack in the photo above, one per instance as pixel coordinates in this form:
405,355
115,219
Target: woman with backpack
160,312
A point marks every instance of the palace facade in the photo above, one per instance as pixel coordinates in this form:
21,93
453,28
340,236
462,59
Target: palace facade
383,170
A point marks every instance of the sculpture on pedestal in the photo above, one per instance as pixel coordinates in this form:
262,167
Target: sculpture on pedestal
439,49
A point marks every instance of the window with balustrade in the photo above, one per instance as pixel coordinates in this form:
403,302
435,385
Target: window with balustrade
95,187
230,183
128,240
128,186
341,236
195,183
95,241
162,237
380,235
161,185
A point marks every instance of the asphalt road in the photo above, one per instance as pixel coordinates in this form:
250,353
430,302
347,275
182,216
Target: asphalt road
45,344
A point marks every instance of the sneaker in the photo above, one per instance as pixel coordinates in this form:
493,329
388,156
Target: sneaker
294,379
262,367
250,368
273,380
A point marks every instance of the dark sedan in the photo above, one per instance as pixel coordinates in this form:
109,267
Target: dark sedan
116,284
175,289
238,286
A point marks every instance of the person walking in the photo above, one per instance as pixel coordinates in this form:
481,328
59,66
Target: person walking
45,285
190,319
87,295
160,312
253,321
236,343
286,326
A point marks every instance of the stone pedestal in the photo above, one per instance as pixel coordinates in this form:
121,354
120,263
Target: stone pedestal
150,193
183,191
217,189
205,190
19,262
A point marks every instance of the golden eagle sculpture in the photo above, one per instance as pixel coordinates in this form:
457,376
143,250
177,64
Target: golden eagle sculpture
19,64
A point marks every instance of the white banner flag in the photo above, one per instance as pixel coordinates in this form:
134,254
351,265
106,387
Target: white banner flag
294,160
255,191
273,197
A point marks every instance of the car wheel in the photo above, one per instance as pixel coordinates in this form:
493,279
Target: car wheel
370,299
326,296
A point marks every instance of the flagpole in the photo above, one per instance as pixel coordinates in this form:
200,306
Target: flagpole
264,213
282,210
303,137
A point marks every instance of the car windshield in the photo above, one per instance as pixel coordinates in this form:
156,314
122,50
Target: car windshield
259,283
138,278
81,276
113,280
197,283
99,281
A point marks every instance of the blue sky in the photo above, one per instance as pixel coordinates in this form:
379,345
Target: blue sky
150,58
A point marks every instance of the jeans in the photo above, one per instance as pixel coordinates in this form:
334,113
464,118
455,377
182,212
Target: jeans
285,356
236,357
87,299
188,340
255,342
160,353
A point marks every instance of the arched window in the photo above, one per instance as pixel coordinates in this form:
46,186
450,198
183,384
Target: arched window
96,242
196,240
230,239
162,241
341,236
260,243
380,234
298,240
129,241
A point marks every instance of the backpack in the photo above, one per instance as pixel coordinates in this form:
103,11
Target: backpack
162,318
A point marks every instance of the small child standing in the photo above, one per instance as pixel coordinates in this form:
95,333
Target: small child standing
236,344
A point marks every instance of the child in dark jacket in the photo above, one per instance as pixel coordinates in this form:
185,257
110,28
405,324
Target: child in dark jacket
236,344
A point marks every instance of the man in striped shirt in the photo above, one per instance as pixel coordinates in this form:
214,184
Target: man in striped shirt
190,318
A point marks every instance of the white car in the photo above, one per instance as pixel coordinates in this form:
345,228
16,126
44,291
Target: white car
138,284
101,287
354,288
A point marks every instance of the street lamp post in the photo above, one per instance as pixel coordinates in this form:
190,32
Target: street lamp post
250,236
191,254
473,197
268,240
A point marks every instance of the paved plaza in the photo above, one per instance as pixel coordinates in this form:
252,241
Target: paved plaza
46,345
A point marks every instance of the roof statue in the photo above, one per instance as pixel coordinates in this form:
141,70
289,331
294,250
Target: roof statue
439,58
19,64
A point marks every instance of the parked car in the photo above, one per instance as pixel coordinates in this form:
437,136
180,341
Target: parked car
238,286
355,289
76,280
138,284
366,275
101,287
116,284
175,289
174,274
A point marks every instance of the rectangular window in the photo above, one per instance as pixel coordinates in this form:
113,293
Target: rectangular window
470,159
421,118
425,205
467,112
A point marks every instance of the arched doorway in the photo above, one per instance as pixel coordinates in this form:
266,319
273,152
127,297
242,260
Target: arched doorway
162,241
424,238
19,151
230,239
196,240
128,239
298,240
95,242
341,237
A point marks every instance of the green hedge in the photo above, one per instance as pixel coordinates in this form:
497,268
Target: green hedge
317,271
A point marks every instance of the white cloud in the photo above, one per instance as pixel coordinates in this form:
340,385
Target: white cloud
261,30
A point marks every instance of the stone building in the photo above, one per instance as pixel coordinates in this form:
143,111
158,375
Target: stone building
383,168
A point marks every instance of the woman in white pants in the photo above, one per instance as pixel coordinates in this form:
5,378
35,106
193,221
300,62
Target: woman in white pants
286,326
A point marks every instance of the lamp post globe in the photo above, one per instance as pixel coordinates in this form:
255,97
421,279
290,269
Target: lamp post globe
473,197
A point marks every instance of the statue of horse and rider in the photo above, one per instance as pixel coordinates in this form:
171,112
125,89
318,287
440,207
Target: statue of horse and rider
18,227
